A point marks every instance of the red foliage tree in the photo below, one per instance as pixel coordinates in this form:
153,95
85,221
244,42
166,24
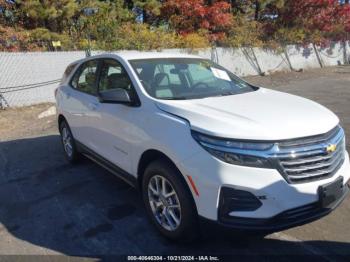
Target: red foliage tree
188,16
344,13
328,19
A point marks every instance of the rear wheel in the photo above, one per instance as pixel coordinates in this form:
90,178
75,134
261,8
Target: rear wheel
68,143
168,201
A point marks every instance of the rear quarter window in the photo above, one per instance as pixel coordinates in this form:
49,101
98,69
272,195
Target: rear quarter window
68,71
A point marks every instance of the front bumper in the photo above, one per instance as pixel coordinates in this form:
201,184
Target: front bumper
287,219
279,199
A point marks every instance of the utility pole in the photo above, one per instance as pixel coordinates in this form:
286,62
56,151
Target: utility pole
89,11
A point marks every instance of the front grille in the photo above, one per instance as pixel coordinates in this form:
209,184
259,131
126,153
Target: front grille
311,140
307,159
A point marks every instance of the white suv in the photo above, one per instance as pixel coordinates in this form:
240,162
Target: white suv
201,144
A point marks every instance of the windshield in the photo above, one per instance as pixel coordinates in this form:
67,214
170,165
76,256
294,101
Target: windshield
187,78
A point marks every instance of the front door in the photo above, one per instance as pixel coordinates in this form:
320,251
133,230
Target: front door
115,126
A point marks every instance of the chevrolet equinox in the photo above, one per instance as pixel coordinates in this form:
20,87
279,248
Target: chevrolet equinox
201,144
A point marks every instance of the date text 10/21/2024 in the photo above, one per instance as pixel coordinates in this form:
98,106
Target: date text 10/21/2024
173,258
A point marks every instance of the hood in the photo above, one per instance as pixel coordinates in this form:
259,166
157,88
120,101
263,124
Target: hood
260,115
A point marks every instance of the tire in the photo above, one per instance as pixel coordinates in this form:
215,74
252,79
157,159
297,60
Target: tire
187,229
72,154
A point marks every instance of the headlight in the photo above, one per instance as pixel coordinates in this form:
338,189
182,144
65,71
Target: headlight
243,153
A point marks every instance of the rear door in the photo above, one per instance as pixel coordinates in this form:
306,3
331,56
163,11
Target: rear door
82,103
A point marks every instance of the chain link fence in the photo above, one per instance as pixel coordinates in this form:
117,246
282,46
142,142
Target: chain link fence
31,78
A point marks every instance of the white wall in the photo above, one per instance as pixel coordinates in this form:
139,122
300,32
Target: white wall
29,68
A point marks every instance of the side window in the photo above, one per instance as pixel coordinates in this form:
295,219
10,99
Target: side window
113,76
85,79
67,72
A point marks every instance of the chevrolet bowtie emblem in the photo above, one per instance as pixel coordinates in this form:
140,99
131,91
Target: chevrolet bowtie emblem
331,148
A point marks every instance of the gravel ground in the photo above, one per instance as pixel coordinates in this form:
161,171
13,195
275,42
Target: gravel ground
24,122
49,207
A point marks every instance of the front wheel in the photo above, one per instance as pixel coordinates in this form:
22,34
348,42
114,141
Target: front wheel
168,201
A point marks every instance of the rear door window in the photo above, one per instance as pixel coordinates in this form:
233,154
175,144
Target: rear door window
85,78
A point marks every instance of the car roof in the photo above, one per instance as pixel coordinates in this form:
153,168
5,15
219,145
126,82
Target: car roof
134,55
131,55
128,55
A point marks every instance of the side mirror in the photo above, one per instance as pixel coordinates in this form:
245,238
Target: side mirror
115,96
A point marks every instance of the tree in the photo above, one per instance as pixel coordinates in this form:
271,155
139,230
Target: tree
53,15
256,9
100,27
244,33
321,20
7,13
190,16
150,9
186,23
345,10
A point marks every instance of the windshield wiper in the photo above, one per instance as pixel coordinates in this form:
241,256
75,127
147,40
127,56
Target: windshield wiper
222,94
229,93
174,98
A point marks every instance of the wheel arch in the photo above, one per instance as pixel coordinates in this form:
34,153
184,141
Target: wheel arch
146,158
151,155
60,119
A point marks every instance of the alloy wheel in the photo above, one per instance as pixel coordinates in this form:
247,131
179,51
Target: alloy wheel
164,202
67,141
